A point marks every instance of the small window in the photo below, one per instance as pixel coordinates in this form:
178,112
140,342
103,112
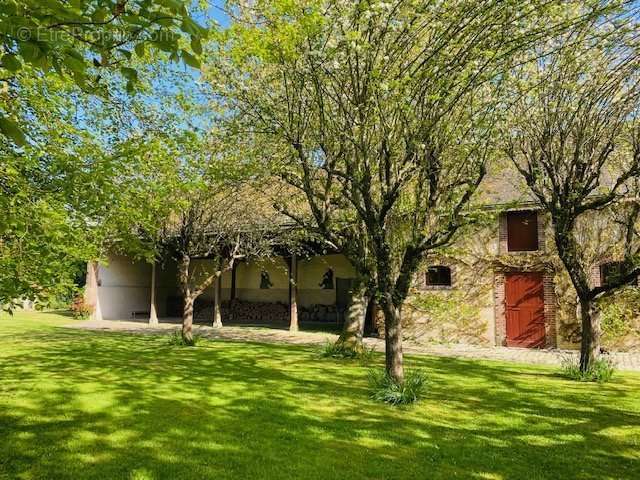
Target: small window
438,276
522,231
610,272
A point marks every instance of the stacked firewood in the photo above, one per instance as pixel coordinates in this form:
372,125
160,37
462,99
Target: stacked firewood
319,313
257,312
240,311
237,311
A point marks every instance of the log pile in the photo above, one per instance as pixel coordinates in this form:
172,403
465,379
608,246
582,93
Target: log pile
238,311
257,312
319,313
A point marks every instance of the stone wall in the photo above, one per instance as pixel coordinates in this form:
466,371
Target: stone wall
472,310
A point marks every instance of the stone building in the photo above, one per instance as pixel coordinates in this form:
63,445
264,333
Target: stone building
500,284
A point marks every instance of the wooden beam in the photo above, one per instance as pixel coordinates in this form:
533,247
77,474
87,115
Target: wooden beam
293,293
233,280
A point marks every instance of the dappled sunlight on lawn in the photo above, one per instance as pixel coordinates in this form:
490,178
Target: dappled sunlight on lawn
81,404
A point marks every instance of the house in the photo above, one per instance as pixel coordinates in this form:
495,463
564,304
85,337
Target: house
501,285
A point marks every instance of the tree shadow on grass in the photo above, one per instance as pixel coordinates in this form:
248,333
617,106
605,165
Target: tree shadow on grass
113,405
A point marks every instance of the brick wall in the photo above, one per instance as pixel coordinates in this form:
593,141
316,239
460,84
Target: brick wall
551,336
594,276
502,234
542,230
500,314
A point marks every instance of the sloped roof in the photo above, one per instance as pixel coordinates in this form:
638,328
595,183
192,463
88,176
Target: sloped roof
503,185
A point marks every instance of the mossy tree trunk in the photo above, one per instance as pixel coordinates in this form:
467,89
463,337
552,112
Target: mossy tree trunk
188,300
569,253
354,318
190,294
394,359
591,334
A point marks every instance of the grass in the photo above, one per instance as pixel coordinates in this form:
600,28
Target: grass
600,370
77,404
386,389
340,351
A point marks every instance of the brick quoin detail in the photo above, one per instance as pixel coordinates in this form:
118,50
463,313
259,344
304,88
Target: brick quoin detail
551,336
542,237
500,316
502,234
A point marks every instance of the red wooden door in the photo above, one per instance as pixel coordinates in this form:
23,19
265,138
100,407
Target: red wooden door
524,298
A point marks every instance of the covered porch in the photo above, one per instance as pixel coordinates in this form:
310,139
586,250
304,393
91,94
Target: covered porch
312,291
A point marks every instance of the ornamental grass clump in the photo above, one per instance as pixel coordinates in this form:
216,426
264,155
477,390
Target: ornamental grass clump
386,389
175,338
600,370
344,351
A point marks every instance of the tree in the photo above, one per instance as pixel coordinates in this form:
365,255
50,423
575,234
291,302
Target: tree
215,224
81,39
574,137
45,232
60,182
380,114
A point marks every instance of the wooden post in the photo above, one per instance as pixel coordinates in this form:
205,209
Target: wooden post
293,293
233,280
153,313
217,315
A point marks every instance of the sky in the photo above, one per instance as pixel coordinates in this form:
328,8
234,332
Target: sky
216,12
167,84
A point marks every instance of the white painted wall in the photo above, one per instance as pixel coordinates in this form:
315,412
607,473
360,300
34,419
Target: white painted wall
125,285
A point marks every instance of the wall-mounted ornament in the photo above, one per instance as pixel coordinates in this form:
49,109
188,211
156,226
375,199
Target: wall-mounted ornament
265,281
327,280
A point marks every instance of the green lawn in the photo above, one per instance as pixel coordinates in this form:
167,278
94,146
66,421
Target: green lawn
76,404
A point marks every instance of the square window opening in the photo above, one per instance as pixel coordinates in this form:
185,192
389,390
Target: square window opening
522,231
438,276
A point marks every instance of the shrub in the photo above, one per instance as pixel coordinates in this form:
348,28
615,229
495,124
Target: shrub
601,370
175,338
343,351
387,390
80,309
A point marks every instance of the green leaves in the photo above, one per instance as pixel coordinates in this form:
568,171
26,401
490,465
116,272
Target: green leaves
190,59
196,45
30,51
11,62
11,130
67,36
131,74
140,49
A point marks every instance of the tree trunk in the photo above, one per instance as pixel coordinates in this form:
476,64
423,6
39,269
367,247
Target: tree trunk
354,319
217,314
187,312
591,332
187,321
393,341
